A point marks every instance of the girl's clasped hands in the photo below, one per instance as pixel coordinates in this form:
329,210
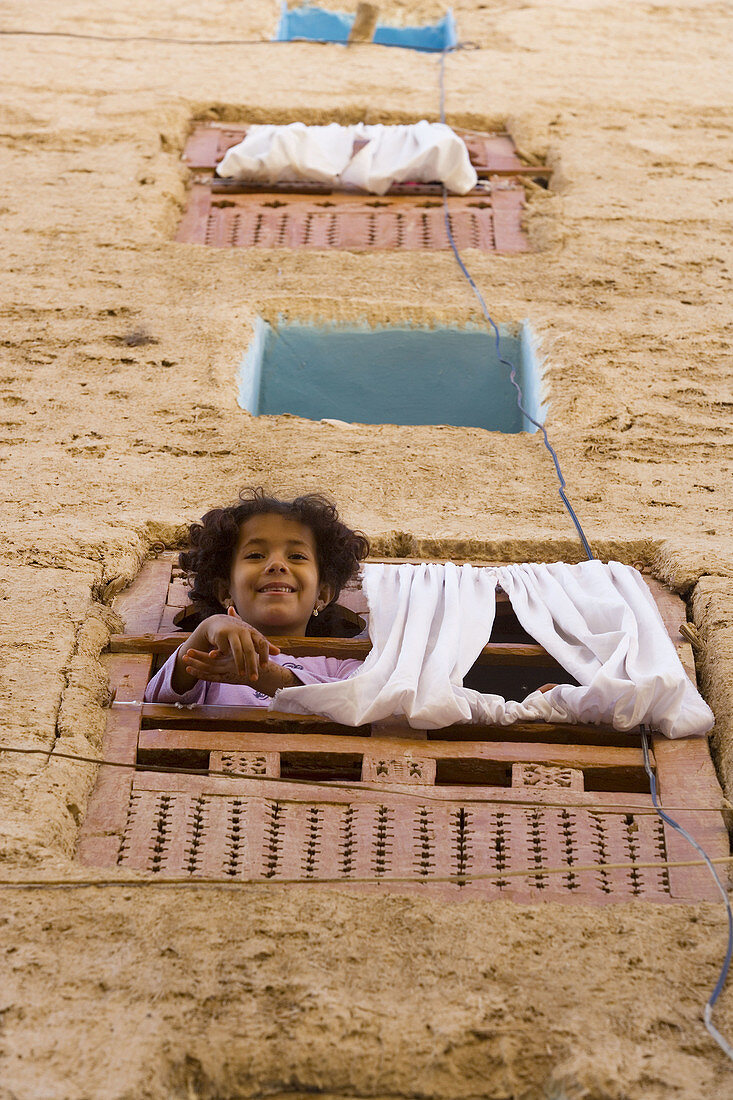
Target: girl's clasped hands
238,655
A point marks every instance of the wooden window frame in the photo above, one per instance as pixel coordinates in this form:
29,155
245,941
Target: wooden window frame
566,795
231,213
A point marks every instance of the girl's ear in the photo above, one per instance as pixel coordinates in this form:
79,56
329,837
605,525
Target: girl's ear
222,593
325,594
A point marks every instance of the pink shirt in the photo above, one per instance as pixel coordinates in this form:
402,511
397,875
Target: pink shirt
309,670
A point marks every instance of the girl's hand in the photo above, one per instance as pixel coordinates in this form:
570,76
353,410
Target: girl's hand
238,650
214,666
219,668
223,649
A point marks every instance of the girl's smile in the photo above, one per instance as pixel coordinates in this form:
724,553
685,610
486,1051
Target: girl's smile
274,581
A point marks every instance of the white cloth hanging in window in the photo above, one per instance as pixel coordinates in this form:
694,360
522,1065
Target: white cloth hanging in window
428,624
383,155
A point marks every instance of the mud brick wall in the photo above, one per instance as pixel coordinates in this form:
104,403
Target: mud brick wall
120,348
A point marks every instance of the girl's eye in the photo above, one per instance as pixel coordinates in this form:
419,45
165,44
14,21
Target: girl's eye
299,557
253,554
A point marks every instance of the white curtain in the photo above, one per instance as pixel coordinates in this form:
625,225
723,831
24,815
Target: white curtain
424,151
428,624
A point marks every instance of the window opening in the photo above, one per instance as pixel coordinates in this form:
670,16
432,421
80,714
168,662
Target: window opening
417,807
311,23
392,374
235,214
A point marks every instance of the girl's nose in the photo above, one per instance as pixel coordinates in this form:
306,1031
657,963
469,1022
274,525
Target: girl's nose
276,565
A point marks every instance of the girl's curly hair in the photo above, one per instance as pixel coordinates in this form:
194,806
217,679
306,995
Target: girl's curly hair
208,560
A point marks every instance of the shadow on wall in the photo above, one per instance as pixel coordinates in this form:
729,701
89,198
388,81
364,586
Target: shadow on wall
393,374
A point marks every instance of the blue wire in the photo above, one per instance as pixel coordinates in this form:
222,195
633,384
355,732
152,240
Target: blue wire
722,977
505,362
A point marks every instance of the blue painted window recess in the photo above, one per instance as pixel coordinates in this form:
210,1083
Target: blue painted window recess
392,374
318,25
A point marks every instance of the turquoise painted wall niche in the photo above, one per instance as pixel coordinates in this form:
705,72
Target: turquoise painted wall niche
389,374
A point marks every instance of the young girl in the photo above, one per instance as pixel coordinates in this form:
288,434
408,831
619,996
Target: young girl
260,568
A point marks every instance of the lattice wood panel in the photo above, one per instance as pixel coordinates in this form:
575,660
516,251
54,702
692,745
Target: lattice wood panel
231,214
490,222
209,831
403,809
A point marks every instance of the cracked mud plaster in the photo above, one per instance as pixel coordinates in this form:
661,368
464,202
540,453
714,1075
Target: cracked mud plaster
231,993
54,689
118,410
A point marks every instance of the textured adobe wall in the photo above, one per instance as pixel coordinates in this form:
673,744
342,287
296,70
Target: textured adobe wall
118,391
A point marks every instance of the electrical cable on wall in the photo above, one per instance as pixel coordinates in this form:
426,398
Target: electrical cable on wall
708,1011
490,321
707,1014
140,38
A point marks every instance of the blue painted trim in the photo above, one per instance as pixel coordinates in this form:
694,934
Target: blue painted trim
431,38
250,371
281,31
531,373
317,25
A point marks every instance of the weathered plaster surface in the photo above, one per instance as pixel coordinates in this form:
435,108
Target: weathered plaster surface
244,993
119,415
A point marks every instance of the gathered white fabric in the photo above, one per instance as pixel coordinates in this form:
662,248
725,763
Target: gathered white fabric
428,624
423,151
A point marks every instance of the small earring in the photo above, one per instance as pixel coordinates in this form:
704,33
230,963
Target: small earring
315,612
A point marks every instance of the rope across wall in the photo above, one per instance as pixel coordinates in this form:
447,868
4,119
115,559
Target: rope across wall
420,793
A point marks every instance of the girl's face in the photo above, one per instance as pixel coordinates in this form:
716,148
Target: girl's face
274,583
